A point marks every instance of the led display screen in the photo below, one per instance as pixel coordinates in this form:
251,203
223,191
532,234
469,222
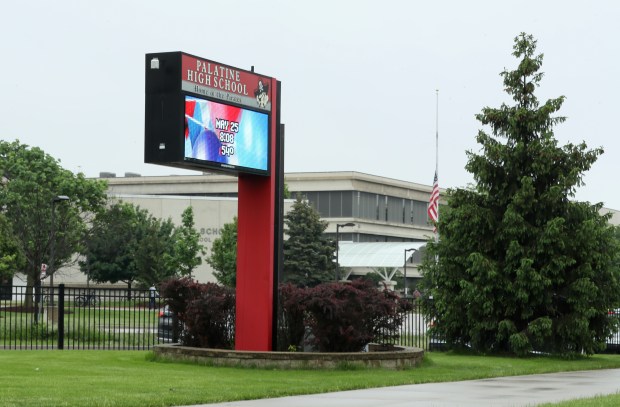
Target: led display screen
226,136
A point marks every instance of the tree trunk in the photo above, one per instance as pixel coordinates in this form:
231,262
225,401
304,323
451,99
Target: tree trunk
29,288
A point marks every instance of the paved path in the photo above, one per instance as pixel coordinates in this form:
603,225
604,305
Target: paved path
502,391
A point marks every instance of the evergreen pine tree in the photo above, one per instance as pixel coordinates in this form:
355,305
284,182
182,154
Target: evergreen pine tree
519,265
308,253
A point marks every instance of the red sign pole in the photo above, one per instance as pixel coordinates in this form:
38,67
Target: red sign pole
256,262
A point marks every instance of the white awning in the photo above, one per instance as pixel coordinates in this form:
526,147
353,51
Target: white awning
376,254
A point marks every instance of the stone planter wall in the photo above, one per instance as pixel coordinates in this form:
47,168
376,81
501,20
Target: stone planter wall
400,358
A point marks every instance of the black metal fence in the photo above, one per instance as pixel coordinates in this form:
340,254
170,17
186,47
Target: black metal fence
415,330
76,318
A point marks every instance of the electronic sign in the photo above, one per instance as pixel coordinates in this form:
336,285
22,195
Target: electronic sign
225,135
206,116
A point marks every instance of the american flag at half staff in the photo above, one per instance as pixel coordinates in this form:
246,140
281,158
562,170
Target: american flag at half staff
433,203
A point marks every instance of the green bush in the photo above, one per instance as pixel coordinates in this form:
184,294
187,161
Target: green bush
28,332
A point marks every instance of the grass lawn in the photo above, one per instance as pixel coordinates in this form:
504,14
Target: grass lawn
599,401
135,378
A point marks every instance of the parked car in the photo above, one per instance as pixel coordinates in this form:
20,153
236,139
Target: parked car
165,325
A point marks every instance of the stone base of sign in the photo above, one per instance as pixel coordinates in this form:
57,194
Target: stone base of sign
377,357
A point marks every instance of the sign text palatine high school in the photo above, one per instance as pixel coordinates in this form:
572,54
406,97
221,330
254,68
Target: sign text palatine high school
218,77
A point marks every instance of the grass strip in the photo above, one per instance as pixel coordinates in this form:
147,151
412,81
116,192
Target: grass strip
136,378
612,400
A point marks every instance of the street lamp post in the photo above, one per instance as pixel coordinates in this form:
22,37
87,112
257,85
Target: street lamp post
55,199
405,268
338,226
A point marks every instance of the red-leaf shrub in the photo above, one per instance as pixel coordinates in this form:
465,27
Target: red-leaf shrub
291,323
179,292
205,311
346,317
210,318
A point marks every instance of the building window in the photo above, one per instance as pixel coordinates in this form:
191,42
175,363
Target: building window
347,204
418,213
394,209
323,204
364,205
332,204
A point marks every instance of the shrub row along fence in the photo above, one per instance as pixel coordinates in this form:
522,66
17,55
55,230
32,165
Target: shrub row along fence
76,318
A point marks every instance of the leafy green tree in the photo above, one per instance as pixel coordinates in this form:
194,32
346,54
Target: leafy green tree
153,249
223,257
30,181
108,253
518,265
11,258
187,249
130,245
308,253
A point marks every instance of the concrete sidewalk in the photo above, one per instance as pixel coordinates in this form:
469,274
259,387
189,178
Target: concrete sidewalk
528,390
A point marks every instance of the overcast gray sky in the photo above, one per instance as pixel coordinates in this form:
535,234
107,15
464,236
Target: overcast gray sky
358,77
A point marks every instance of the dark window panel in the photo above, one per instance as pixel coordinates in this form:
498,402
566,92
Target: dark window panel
347,204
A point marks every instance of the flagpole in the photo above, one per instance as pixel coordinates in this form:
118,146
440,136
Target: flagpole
437,149
437,132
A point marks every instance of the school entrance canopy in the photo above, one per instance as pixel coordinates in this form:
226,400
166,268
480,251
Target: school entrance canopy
376,254
383,258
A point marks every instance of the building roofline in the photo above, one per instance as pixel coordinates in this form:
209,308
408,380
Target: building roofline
319,175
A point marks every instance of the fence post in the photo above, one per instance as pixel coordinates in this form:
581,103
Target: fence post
175,328
61,316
